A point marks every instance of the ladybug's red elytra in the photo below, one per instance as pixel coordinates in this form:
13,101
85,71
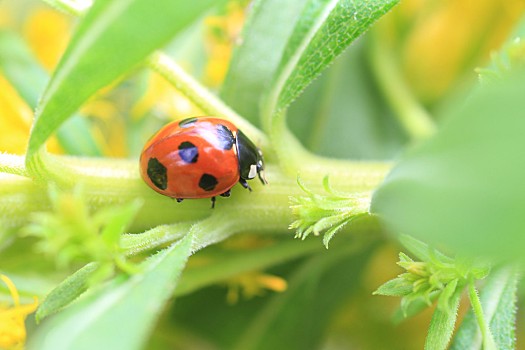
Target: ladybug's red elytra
200,157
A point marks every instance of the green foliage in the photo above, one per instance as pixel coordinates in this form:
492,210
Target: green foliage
324,29
467,178
71,233
256,59
329,213
461,188
66,292
435,274
499,299
93,321
95,58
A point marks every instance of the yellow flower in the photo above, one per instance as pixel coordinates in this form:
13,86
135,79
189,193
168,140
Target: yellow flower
12,327
252,284
163,100
221,33
15,117
47,32
441,42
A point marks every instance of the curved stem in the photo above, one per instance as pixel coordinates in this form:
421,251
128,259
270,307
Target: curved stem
200,96
411,115
488,340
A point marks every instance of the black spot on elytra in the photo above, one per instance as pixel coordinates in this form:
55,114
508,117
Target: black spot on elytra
157,173
188,152
225,136
208,182
186,123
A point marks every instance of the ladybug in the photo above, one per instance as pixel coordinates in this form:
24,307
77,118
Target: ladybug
200,157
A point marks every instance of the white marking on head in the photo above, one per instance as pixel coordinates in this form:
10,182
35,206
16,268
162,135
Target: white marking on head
253,171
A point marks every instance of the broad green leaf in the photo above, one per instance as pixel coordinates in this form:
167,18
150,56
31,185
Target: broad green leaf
442,325
325,29
110,40
265,34
498,298
464,187
29,79
122,313
67,291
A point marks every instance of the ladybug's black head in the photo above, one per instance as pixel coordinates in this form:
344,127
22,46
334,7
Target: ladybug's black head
251,162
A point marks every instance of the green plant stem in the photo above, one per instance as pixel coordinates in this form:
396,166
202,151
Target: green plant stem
295,160
113,181
411,115
201,97
154,238
488,339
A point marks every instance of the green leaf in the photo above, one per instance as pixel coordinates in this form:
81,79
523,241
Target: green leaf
254,61
121,314
110,40
422,251
397,287
498,298
66,292
464,187
445,300
325,29
117,220
442,325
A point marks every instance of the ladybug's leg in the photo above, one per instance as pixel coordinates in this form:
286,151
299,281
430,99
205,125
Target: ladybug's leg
179,200
212,202
226,194
245,184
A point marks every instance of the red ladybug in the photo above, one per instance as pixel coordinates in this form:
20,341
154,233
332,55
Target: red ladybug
200,158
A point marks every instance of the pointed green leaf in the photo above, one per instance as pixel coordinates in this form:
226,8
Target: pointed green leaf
464,187
255,60
121,314
421,250
325,29
67,291
119,218
110,40
446,297
442,325
397,287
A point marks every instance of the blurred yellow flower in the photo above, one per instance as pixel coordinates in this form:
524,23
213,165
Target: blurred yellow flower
441,42
16,119
222,32
12,318
47,33
252,284
162,99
